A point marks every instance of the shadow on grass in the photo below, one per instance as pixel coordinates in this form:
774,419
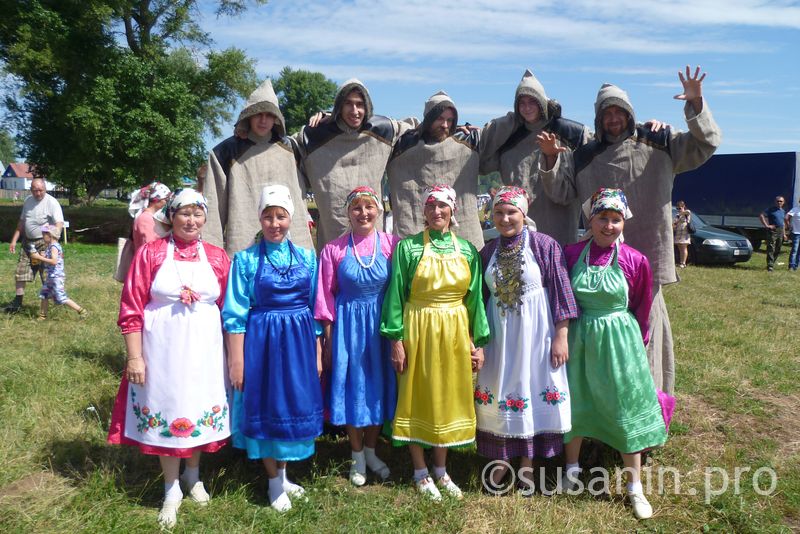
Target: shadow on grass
111,359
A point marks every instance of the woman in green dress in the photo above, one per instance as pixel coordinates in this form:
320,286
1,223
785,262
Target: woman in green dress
614,399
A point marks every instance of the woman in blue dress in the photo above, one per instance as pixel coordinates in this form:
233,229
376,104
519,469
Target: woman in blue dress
274,354
353,275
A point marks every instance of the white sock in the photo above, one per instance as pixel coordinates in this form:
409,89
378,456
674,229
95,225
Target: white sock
275,488
288,485
574,470
359,461
191,475
635,487
419,474
172,491
439,472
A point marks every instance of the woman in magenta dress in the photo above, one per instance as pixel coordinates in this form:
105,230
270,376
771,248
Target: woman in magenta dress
172,401
146,209
354,272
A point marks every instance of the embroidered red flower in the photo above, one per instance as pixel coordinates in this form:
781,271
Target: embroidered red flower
510,403
477,394
181,427
484,397
216,409
146,410
153,422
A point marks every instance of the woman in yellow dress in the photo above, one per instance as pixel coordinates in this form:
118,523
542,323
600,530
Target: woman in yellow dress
434,314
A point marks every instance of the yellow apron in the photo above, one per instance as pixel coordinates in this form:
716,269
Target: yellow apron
434,404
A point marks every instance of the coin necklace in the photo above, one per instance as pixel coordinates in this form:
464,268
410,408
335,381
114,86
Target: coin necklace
358,258
507,271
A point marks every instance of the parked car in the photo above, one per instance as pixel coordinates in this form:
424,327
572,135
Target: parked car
714,245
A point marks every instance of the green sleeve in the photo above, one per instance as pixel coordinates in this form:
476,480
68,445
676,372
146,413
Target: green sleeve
474,297
403,267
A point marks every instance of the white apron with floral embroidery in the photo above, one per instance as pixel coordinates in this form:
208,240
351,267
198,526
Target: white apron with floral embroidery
183,402
518,393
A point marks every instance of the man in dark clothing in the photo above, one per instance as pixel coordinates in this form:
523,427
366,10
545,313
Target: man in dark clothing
772,219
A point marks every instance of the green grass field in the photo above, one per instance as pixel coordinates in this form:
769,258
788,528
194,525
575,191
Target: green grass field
738,407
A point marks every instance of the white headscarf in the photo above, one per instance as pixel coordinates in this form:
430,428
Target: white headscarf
441,193
185,197
142,197
276,195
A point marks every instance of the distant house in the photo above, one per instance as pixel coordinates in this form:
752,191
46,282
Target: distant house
18,177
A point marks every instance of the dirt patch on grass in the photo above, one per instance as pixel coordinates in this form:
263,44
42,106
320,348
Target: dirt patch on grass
35,488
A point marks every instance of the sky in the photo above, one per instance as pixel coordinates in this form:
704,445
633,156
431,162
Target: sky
405,51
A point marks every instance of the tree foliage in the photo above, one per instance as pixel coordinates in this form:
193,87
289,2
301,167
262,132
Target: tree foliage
8,148
94,113
301,94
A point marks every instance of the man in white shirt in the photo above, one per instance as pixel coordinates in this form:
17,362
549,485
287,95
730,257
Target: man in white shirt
793,223
38,209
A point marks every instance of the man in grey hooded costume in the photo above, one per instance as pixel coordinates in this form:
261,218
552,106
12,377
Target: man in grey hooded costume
643,164
349,150
240,166
512,149
434,153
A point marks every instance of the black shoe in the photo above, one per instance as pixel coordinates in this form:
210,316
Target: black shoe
14,306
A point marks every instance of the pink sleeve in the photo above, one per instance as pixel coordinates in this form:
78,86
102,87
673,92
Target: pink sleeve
221,265
136,290
325,304
388,244
144,229
640,287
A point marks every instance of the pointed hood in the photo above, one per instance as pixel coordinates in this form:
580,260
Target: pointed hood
434,107
533,88
262,100
342,93
611,95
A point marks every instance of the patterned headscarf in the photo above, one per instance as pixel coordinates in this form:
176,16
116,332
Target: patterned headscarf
182,198
142,197
276,195
607,199
517,197
442,193
364,191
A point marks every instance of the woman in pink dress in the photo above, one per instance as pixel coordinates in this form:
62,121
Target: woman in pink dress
172,401
145,208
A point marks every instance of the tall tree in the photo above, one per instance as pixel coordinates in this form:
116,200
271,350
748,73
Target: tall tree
302,93
96,113
8,148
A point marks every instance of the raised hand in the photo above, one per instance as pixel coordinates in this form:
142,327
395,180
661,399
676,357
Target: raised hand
548,143
692,85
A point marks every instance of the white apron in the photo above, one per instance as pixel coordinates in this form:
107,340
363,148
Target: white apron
515,391
183,402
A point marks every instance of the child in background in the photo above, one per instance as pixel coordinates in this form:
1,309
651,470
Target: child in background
53,287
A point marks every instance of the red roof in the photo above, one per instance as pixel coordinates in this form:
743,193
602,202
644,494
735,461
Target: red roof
20,170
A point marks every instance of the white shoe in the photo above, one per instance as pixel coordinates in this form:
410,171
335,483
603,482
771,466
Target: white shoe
569,483
641,506
380,468
427,488
295,491
446,484
168,515
282,503
197,492
357,479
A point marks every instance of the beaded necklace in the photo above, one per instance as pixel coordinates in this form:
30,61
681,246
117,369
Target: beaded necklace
595,278
285,271
358,258
507,271
440,247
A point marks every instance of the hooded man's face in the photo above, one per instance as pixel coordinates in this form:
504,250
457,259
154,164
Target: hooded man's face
354,109
262,124
529,108
443,125
614,121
